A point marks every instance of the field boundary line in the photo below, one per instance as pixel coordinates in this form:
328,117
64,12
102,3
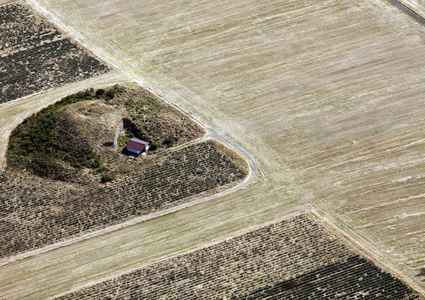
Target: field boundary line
8,2
360,244
408,11
219,240
111,73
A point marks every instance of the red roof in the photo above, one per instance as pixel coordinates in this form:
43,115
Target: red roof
136,144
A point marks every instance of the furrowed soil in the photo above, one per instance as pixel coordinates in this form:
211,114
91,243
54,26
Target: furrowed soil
35,56
298,258
37,212
44,209
326,96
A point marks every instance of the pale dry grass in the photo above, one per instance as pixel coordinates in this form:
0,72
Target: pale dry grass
416,5
4,2
96,259
328,96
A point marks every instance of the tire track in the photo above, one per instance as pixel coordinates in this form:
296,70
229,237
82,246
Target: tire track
408,11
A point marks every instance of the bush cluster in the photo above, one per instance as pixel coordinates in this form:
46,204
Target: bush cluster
107,177
34,145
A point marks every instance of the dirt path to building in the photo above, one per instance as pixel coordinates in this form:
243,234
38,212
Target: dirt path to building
322,114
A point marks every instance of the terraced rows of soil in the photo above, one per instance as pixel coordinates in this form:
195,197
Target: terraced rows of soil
333,89
36,212
326,93
35,56
298,258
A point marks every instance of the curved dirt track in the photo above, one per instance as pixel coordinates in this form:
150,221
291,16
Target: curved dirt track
196,199
14,112
331,127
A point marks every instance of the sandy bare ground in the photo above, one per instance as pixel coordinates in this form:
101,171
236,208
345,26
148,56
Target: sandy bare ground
4,2
326,96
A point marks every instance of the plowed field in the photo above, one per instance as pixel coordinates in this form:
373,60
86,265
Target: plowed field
330,90
326,95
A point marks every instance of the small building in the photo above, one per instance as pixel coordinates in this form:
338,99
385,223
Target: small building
137,146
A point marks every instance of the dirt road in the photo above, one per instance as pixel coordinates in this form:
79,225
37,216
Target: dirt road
326,96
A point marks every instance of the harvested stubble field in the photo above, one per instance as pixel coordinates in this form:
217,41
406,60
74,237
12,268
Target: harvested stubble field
332,91
35,56
37,212
298,258
418,6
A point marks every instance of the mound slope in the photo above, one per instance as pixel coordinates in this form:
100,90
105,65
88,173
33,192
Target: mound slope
52,191
83,136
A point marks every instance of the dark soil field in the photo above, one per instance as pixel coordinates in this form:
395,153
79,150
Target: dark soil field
36,212
69,173
298,258
35,56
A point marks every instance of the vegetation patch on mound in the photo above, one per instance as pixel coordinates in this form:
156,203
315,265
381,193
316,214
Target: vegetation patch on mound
44,143
68,171
299,258
82,137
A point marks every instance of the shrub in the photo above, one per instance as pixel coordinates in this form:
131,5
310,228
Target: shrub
169,140
130,102
96,163
110,94
107,177
100,92
153,146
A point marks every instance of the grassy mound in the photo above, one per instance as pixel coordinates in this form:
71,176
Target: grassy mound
81,137
44,146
